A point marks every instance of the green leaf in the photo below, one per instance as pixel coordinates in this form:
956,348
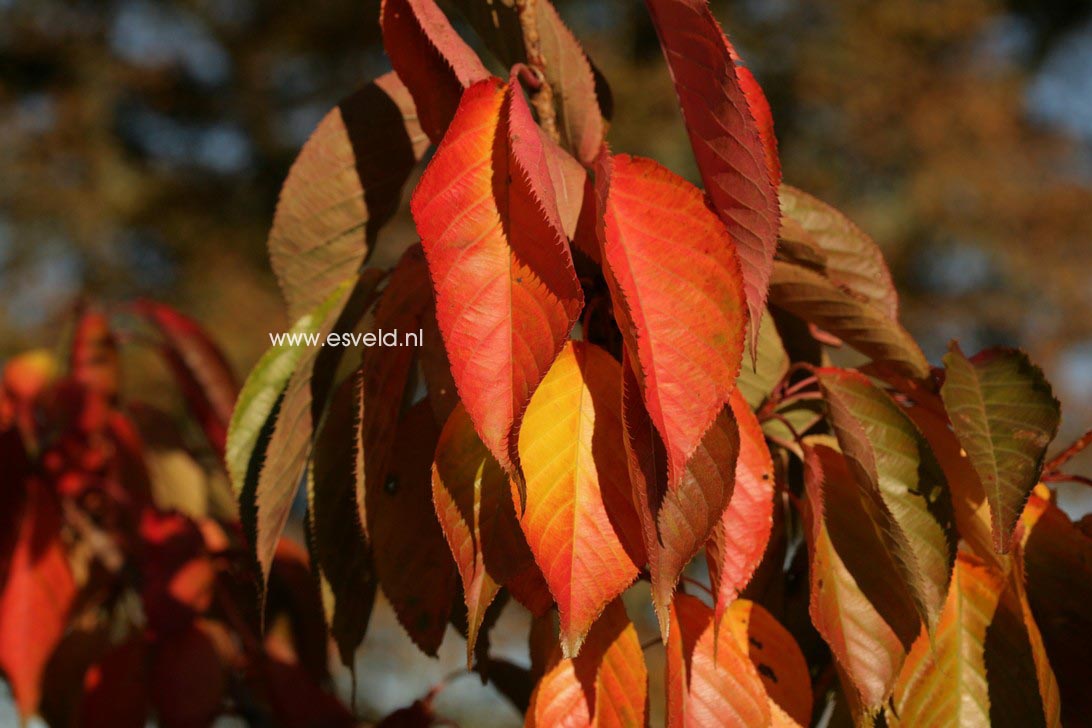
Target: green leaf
861,324
901,480
770,364
1005,415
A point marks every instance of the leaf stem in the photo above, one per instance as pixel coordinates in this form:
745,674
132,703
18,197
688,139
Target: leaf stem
542,98
1065,455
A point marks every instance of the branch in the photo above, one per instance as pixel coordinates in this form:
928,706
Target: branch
1065,455
543,97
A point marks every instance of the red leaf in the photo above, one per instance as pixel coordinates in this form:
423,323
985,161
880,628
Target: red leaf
740,539
759,107
727,142
710,682
414,567
178,576
188,678
115,689
505,289
605,685
36,596
473,502
579,520
676,518
678,297
94,360
203,372
430,58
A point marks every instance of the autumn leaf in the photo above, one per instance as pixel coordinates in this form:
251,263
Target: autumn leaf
605,686
579,520
726,139
473,502
1005,415
739,539
505,289
710,680
770,364
900,480
415,569
343,187
430,58
678,297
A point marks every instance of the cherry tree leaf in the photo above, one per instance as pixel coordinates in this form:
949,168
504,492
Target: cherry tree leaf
710,680
818,300
506,292
678,297
850,258
1005,415
579,521
776,656
727,141
868,650
605,686
473,502
759,107
677,518
900,479
412,561
740,537
430,58
770,364
343,187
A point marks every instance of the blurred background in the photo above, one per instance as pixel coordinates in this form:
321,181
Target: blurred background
142,146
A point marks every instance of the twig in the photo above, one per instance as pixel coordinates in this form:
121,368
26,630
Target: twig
543,97
1066,478
1064,456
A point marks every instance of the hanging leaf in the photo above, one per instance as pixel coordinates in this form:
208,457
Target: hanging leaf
579,520
899,479
676,518
340,549
770,365
415,569
606,685
473,502
678,297
430,58
710,681
759,106
505,289
850,259
115,688
739,539
1005,415
343,187
776,656
868,649
819,301
201,369
727,142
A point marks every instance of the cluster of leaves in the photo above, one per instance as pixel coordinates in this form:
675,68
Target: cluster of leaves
620,373
117,607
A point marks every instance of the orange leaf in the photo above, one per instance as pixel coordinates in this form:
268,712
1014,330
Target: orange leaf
579,520
505,289
678,297
710,681
775,655
606,685
474,504
727,141
430,58
414,567
739,540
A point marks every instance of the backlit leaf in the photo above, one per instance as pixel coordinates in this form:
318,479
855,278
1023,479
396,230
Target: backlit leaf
900,479
864,326
851,259
770,364
579,521
473,501
505,289
710,680
678,297
344,185
1005,415
415,569
725,137
606,685
430,58
740,537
